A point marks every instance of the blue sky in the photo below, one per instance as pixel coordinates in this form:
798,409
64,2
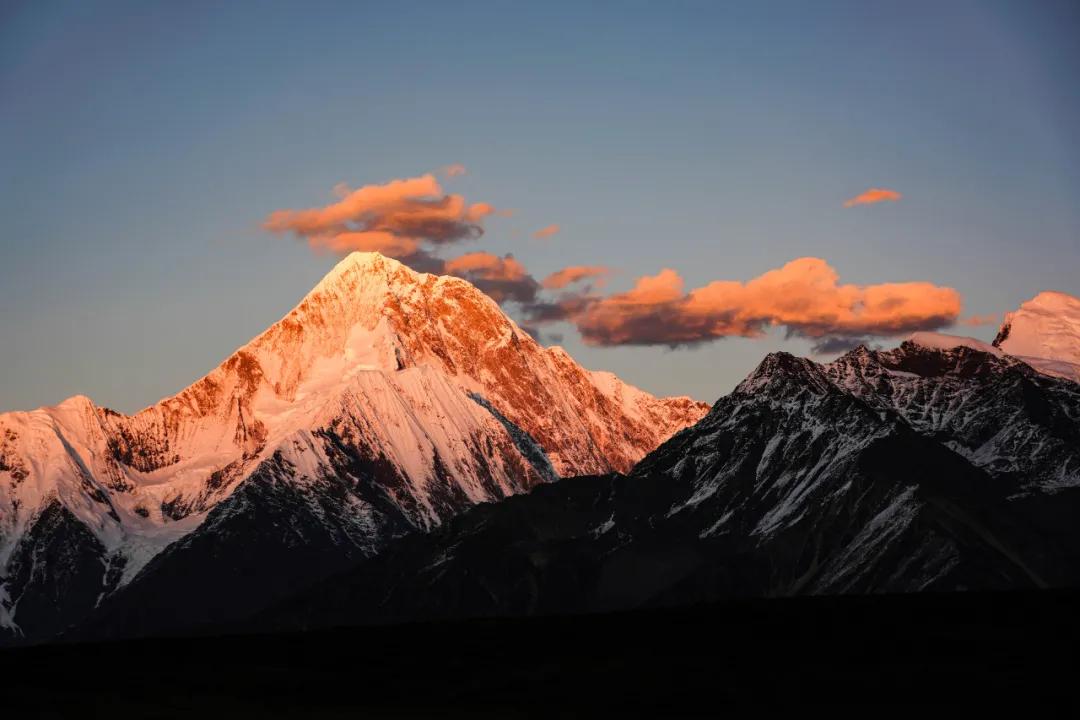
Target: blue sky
142,145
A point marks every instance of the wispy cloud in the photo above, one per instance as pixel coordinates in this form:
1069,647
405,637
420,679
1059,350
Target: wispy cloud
546,232
576,273
454,170
979,320
872,196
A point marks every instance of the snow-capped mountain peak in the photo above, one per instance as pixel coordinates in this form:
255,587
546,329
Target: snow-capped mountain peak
385,399
1045,333
780,369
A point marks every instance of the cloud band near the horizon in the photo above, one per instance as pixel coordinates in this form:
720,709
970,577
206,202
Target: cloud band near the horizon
804,297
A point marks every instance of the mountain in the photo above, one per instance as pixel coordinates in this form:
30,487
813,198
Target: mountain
941,465
997,411
1045,333
385,401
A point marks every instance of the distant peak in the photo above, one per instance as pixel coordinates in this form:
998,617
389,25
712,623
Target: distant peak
782,367
786,363
1046,326
1053,299
859,351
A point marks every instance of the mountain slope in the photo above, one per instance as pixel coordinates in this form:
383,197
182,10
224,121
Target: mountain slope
402,397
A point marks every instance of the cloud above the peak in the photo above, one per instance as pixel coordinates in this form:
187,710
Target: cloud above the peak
403,219
546,232
873,196
454,170
804,296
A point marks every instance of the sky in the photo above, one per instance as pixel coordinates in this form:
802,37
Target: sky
923,154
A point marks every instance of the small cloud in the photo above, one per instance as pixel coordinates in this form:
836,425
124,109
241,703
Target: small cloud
454,170
546,232
477,211
575,273
503,278
979,320
487,265
872,196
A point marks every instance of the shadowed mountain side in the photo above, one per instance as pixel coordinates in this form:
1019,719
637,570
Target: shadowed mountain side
598,544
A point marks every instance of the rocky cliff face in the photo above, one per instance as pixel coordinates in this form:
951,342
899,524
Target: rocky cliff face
993,409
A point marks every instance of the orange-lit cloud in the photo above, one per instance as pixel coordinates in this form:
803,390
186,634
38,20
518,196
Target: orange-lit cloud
977,320
412,219
503,278
487,265
546,232
454,170
397,218
873,195
804,296
575,273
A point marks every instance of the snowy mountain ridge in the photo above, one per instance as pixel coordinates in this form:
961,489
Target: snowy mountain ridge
997,411
942,465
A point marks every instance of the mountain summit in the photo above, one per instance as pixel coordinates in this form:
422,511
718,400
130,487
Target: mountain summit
387,400
374,313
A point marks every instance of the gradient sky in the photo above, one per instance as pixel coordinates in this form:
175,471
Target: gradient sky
141,147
